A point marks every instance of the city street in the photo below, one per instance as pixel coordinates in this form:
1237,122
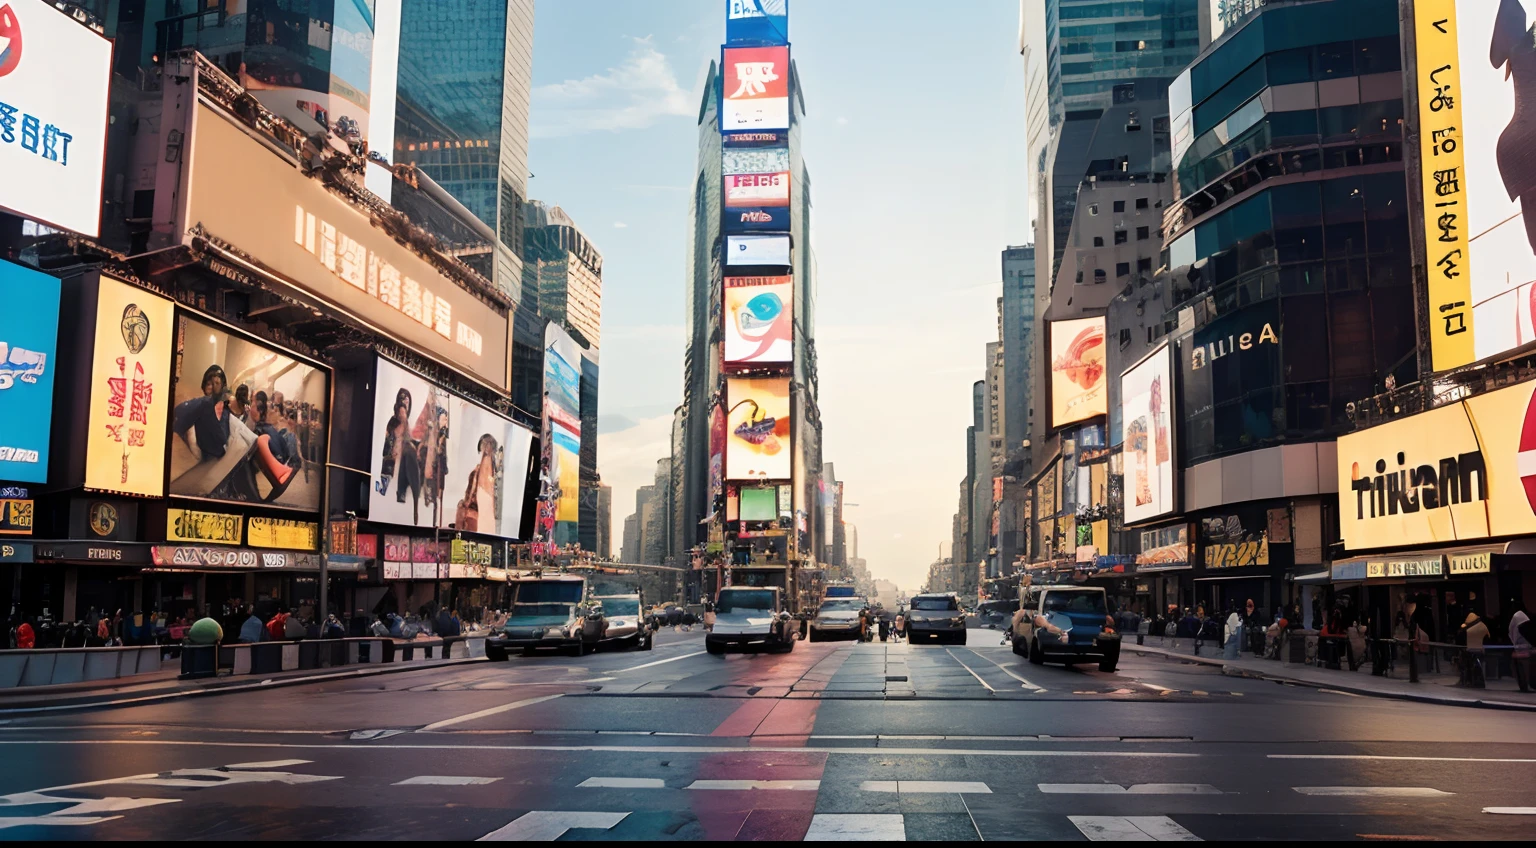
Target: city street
838,741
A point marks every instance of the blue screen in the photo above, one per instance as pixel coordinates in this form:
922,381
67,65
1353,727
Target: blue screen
29,333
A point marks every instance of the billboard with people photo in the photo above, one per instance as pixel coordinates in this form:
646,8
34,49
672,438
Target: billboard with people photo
412,422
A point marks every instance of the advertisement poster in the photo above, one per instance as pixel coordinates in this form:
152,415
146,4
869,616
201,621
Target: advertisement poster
757,21
29,335
759,320
477,469
249,423
755,177
519,456
755,95
757,429
716,454
562,437
412,422
53,82
1477,175
1078,391
130,391
758,250
1146,401
756,219
333,86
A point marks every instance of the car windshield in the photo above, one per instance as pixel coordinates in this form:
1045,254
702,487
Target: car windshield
1087,602
553,592
620,606
746,600
934,604
841,606
539,610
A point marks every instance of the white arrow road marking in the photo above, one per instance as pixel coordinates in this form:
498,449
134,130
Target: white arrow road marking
526,702
445,780
1372,791
862,827
796,785
80,811
622,783
375,734
1132,829
270,764
927,787
205,778
548,825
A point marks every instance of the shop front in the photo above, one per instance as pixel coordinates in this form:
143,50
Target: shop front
1164,569
1238,560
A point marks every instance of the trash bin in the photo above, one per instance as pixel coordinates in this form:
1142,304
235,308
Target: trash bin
199,661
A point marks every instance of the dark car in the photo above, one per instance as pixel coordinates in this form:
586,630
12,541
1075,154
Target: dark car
936,618
1066,624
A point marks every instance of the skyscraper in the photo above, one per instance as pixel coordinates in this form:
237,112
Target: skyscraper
1017,338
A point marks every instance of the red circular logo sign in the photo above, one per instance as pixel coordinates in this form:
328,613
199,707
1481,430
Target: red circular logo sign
10,40
1525,460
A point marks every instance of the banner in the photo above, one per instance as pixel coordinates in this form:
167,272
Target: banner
755,93
561,508
1146,402
757,429
412,424
129,397
759,320
185,525
250,422
265,532
29,335
1077,371
757,250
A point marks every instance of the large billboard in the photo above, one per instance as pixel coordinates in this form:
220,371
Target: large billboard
129,397
1472,59
562,436
307,72
29,335
1146,402
53,115
757,21
249,423
1078,389
757,437
331,251
755,94
759,320
742,251
755,177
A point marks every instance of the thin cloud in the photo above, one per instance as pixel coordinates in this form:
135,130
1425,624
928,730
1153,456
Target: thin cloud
634,95
620,225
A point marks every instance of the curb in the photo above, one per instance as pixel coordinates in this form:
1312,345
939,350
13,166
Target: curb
1239,671
231,688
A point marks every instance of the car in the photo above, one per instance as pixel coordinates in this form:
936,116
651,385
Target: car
625,624
1066,624
838,618
935,617
554,612
750,617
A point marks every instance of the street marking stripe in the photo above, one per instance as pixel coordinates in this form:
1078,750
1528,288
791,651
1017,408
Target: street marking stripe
547,825
1131,829
968,668
1025,684
1511,811
1135,789
449,722
1395,759
794,785
445,780
1372,791
622,783
862,827
929,787
658,662
270,764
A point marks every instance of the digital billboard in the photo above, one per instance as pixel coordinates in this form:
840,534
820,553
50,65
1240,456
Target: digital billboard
129,401
331,251
29,335
757,250
759,320
756,177
412,421
249,422
757,431
53,115
755,94
1077,370
757,21
1150,463
1476,171
323,82
562,436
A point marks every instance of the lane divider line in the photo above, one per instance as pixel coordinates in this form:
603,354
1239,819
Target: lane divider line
515,705
657,662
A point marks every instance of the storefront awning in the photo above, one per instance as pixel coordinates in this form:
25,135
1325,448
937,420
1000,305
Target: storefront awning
1314,578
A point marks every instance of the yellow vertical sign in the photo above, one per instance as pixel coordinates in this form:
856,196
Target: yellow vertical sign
130,394
1447,243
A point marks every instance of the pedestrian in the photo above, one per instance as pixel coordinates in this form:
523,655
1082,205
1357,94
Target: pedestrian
1381,642
333,628
275,626
26,637
1474,630
1334,640
901,624
104,630
709,617
1522,636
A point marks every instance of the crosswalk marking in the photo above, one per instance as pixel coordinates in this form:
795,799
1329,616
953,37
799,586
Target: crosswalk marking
862,827
1132,829
795,785
622,783
1511,811
1372,791
445,780
1134,789
549,825
921,787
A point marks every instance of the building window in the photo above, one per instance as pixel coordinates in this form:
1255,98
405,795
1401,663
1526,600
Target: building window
1122,269
1141,203
1098,275
1120,236
1143,233
511,229
1144,264
1119,205
1098,241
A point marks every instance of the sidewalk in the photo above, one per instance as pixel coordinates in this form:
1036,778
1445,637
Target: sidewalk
1431,688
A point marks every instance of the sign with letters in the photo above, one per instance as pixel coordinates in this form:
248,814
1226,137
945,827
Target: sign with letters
185,525
283,533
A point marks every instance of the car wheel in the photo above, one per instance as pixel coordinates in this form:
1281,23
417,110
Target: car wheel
1111,659
812,636
714,648
648,643
495,652
1036,656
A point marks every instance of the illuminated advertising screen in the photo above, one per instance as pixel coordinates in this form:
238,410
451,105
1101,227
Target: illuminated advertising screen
129,396
29,334
757,250
757,437
716,453
562,435
759,320
755,94
757,21
327,83
759,504
1077,370
249,423
1146,403
757,219
53,115
1475,169
756,177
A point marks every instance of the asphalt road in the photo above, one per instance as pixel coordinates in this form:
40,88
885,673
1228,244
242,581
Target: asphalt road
831,741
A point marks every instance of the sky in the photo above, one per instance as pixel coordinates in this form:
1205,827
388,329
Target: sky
914,139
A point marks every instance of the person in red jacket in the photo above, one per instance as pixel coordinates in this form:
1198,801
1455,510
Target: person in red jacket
25,638
276,625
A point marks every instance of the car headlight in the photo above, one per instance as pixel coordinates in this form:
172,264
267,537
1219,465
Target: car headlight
554,633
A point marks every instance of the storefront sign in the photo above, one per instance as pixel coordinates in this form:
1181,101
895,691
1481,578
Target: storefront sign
15,552
102,552
16,517
243,558
462,552
1432,567
1472,563
185,525
368,545
397,548
343,537
283,533
1348,571
1237,554
18,492
108,520
129,395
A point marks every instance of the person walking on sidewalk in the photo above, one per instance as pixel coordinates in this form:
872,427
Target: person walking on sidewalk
1475,631
1522,635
